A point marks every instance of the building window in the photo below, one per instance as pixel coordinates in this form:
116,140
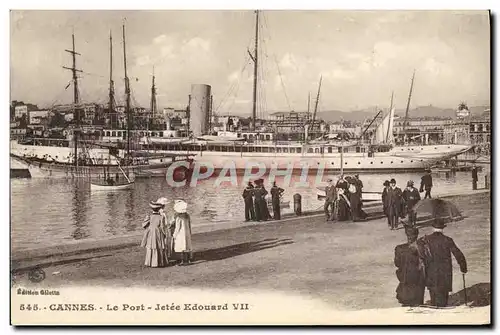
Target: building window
299,150
271,150
292,150
358,149
345,163
278,150
359,163
340,149
265,149
316,151
113,133
268,137
285,150
310,150
160,134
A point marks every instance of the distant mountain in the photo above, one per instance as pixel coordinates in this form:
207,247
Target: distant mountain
421,111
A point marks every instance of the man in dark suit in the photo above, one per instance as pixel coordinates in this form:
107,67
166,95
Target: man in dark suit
408,258
426,184
411,196
474,177
439,272
276,193
331,198
248,197
394,202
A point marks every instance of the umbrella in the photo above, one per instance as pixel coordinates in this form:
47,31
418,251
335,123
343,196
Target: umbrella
438,208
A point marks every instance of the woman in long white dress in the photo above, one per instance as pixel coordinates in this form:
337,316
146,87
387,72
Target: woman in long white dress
182,232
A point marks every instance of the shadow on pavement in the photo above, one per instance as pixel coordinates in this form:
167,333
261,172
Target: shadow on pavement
238,249
478,295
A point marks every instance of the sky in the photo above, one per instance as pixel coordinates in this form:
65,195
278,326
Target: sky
362,56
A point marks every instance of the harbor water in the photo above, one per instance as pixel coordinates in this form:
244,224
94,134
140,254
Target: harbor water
50,212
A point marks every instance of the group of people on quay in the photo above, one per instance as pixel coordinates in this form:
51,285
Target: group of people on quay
167,240
256,208
344,199
400,204
426,262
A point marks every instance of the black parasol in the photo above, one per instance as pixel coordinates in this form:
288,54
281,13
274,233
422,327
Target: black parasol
438,208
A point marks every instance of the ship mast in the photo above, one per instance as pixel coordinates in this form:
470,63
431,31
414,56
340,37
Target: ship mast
111,83
255,60
309,105
76,112
316,105
153,98
408,104
127,94
390,111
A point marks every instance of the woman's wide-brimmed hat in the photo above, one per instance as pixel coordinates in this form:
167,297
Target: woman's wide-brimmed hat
180,206
386,183
162,201
155,205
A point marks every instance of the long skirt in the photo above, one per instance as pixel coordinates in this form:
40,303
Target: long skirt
343,211
156,258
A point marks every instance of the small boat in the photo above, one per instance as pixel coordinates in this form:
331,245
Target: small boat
365,196
104,186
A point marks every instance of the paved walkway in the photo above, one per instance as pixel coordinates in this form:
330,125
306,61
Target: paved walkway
346,265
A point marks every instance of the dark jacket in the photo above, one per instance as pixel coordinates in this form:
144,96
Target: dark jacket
409,261
276,192
331,193
394,197
474,174
439,271
259,193
411,197
426,182
359,186
248,193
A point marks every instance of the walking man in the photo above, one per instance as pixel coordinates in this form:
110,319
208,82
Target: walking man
331,198
248,197
276,193
426,184
439,271
474,177
411,196
394,200
408,258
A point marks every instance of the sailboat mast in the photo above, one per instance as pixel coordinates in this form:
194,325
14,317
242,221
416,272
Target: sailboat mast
127,94
76,112
255,69
153,97
309,105
408,104
390,113
316,105
111,83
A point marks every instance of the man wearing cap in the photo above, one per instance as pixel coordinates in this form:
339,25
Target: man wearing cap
394,201
408,258
426,184
248,198
276,193
331,197
439,271
411,196
387,186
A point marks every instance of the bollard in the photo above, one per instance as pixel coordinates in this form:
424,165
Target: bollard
297,204
487,181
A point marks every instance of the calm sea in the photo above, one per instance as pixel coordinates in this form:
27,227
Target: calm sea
48,212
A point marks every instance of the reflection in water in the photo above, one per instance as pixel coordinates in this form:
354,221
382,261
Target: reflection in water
49,212
79,210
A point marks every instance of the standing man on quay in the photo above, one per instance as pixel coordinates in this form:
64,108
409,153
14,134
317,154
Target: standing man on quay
394,202
474,177
276,193
426,184
439,271
411,196
248,197
331,198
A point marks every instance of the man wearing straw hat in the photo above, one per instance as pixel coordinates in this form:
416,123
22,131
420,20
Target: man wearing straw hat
439,271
